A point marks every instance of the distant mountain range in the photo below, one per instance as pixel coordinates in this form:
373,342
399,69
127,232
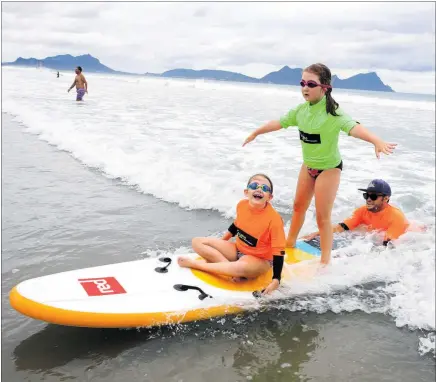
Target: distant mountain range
284,76
64,62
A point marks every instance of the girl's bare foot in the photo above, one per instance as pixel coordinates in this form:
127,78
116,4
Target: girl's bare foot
185,262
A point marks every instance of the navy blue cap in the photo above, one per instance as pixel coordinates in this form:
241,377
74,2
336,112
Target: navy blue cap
378,186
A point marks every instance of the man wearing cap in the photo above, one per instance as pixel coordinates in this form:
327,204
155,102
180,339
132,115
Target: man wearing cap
377,214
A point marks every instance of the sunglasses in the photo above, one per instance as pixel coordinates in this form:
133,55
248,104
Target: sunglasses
373,197
255,186
312,84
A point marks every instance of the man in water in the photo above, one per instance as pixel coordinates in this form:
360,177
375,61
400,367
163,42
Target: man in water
80,83
377,214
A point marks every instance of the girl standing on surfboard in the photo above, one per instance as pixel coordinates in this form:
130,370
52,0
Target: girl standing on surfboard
319,121
260,239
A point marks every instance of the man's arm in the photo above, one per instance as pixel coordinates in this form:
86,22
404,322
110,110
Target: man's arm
85,83
341,227
397,226
72,86
347,225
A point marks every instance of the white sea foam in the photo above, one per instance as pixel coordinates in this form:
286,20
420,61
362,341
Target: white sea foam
180,141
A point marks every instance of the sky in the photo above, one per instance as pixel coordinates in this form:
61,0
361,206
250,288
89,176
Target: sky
394,39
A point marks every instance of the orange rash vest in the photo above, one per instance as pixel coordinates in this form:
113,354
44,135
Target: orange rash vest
258,233
391,220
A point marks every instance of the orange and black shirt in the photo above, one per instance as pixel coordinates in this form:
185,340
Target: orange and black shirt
258,233
391,220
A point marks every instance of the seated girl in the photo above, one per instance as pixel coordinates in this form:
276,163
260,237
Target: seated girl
259,244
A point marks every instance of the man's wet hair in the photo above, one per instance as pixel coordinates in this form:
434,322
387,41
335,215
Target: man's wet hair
79,68
263,176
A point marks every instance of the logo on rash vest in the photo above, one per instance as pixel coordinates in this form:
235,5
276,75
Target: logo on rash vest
101,286
246,238
310,138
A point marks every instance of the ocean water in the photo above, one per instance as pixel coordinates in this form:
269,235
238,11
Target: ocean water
172,149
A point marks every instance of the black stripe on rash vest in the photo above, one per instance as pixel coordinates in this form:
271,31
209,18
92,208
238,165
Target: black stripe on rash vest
247,238
310,138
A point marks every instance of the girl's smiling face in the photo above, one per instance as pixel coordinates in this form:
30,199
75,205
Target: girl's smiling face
260,195
313,95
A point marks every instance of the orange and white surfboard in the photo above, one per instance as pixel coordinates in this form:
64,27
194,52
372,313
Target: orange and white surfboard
142,293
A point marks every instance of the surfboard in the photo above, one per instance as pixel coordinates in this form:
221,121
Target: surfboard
142,293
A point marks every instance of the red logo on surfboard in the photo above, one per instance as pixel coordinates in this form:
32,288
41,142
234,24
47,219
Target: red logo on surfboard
101,286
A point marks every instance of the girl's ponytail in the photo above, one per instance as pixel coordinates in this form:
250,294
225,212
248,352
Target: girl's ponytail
331,104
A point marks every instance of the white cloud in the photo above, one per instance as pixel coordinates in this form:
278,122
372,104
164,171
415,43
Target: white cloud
252,38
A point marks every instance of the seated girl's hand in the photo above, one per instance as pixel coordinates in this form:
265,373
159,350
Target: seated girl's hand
271,287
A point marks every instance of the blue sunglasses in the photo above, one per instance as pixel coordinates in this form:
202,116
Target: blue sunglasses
255,186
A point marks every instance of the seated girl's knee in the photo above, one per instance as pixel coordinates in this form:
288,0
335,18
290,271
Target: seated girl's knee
240,269
196,241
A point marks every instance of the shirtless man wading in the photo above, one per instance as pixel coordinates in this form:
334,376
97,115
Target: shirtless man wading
80,83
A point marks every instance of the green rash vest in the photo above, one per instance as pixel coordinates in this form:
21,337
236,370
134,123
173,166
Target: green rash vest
319,133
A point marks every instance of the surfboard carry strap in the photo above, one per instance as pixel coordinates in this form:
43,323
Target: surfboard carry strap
163,269
258,294
183,288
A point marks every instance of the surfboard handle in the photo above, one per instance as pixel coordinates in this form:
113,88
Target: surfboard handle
258,294
163,269
183,288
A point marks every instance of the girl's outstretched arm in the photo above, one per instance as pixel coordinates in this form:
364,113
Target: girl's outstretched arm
267,128
361,132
